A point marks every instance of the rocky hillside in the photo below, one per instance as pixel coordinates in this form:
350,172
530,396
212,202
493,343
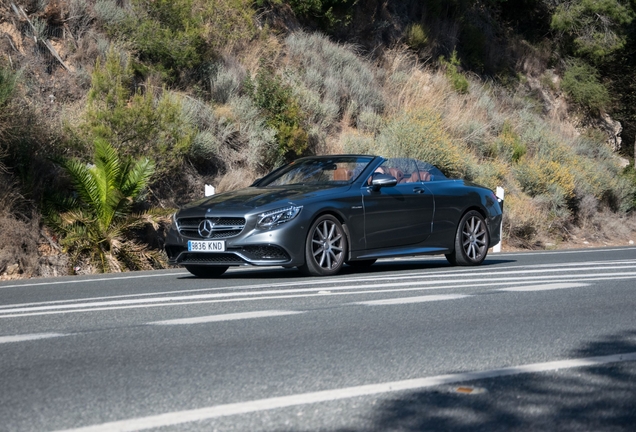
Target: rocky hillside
532,95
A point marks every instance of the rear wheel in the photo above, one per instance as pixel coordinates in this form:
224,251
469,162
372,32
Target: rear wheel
325,247
206,271
471,241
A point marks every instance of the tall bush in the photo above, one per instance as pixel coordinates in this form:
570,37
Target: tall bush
597,28
582,83
283,113
134,121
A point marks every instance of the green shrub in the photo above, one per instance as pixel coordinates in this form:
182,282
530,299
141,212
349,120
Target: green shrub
597,28
180,36
321,112
135,122
629,176
170,36
330,14
457,79
357,143
415,36
262,149
225,83
369,122
508,144
492,174
109,13
8,81
539,176
581,83
282,111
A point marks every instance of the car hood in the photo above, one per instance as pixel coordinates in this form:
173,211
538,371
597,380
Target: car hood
253,197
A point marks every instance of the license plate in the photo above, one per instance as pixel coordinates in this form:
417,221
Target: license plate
206,246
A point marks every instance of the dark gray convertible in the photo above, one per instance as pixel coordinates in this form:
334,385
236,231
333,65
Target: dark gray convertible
320,213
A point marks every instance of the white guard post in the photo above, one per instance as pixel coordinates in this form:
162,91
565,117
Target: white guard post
209,190
500,194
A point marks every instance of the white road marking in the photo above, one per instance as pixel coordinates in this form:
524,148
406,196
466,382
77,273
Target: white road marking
110,301
441,273
226,410
102,279
29,337
226,317
406,300
289,294
545,287
598,251
408,276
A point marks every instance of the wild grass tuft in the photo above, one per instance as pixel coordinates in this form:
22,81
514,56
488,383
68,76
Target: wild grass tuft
109,13
334,71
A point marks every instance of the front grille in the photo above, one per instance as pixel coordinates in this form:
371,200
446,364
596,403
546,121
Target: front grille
203,258
224,227
265,253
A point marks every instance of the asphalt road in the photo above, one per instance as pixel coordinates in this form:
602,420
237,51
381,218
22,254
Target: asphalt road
527,341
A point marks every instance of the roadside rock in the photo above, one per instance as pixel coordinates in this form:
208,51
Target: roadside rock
613,129
11,272
13,269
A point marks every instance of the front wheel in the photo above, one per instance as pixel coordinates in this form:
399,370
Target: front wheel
325,247
471,241
206,271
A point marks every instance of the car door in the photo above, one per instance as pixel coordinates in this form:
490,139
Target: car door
400,215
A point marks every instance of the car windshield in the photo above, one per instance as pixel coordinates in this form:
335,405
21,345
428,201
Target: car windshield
318,171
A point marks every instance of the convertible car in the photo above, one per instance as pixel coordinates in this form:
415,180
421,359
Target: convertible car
321,213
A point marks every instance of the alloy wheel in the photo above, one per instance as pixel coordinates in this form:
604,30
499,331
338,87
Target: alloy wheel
474,238
327,245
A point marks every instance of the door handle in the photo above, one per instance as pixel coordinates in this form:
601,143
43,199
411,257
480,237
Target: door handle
419,190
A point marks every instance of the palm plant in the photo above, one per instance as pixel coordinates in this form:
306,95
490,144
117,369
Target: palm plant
98,220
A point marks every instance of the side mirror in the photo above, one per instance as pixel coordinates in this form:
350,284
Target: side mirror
382,180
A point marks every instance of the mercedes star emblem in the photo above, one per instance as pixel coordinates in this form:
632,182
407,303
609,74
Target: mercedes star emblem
205,228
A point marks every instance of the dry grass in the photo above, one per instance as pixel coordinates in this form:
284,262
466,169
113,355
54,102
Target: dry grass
235,179
540,160
19,234
389,104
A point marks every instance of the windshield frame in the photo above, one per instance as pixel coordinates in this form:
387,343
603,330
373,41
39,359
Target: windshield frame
318,171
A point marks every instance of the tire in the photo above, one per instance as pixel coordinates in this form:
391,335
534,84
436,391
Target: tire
471,241
206,271
361,263
325,247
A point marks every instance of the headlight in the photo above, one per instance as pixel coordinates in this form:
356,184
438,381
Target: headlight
276,217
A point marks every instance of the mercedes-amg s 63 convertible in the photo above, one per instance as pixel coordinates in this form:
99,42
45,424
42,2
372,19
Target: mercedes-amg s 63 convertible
321,213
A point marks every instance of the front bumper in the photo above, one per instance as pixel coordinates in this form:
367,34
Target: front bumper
280,246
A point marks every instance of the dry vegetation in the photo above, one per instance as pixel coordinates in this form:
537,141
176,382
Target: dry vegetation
250,95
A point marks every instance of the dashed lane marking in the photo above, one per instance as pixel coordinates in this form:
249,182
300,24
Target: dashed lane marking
545,287
407,300
226,317
29,337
